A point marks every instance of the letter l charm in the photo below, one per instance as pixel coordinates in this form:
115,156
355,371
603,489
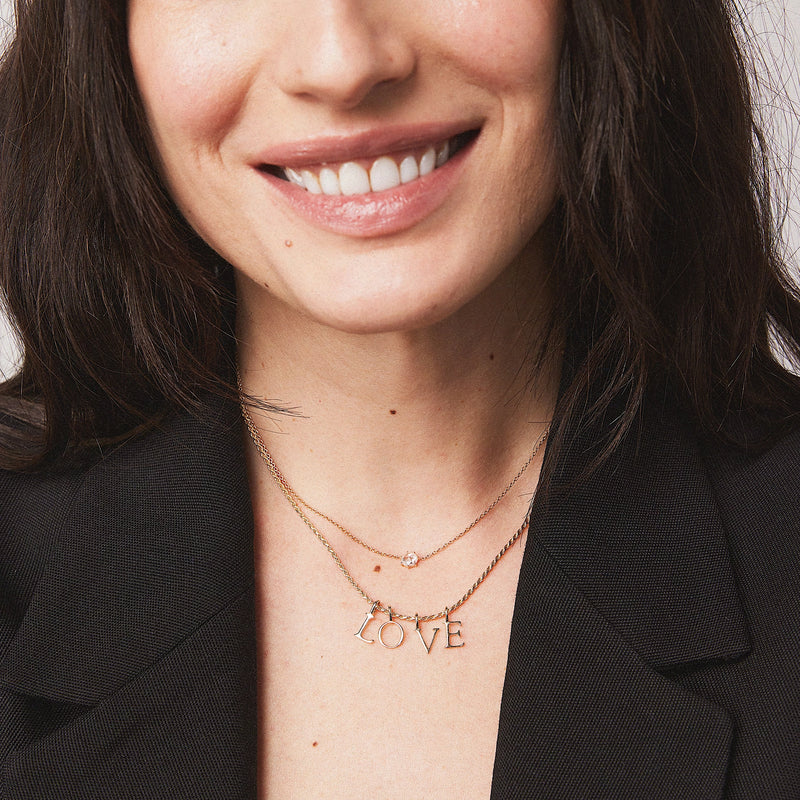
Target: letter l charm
370,615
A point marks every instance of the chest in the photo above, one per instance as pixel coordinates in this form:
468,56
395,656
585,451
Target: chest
343,715
376,733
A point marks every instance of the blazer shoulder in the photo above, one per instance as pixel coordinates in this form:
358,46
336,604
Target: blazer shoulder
758,497
176,470
762,481
181,442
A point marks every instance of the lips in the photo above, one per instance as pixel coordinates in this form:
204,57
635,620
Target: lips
372,184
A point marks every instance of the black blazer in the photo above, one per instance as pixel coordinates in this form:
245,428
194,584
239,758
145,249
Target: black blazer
654,648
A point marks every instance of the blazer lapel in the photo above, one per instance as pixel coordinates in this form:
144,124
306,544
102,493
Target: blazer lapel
626,579
183,728
141,629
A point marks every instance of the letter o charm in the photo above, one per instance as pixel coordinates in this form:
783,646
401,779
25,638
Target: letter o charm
402,635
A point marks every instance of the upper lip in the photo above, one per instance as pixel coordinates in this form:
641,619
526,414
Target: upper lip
363,144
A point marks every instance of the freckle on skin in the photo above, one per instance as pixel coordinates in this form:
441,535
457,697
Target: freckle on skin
392,410
491,356
314,744
377,568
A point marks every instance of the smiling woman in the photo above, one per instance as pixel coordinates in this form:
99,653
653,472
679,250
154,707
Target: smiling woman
398,413
238,100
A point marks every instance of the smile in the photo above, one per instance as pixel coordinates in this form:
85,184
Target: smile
368,176
377,183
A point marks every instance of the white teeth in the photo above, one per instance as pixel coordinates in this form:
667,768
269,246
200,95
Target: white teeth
409,169
384,175
310,182
353,179
293,176
428,162
329,181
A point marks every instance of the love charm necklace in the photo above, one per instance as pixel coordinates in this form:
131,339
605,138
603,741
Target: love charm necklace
375,605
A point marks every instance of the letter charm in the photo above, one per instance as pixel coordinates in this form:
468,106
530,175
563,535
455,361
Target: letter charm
370,615
391,622
422,638
450,633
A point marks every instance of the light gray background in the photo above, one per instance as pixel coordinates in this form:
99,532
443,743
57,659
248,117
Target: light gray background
777,27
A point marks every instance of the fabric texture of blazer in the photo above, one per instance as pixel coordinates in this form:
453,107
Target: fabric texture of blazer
654,654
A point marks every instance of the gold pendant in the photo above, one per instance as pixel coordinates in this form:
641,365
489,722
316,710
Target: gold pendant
422,638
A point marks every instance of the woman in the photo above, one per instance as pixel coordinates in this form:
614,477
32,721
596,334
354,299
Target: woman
423,238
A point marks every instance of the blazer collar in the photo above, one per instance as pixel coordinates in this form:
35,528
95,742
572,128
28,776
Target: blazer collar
643,540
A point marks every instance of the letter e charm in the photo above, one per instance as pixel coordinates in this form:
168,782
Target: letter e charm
451,634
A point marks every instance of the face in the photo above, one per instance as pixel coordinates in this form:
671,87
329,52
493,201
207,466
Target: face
368,164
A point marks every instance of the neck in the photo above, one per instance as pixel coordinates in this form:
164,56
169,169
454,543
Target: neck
385,422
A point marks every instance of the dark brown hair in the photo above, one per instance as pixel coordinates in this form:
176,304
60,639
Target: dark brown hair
670,262
669,273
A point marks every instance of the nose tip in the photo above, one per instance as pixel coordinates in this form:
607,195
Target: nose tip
343,54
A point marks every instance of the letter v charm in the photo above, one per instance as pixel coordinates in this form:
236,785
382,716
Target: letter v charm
422,638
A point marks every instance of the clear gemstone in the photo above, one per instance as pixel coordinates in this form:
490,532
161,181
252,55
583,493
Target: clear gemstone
410,560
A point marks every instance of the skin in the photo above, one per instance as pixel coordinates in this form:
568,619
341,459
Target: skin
404,353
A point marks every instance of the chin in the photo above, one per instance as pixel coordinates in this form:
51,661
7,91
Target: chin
384,316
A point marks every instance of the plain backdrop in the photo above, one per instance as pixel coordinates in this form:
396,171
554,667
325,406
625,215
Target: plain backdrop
777,30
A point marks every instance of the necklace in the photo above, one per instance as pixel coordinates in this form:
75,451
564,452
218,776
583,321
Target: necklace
451,632
410,559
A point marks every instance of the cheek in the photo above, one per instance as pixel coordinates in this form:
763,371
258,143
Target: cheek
507,44
188,71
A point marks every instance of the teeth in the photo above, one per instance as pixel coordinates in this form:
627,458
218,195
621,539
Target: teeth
385,173
310,182
409,169
443,155
329,181
427,163
294,177
353,179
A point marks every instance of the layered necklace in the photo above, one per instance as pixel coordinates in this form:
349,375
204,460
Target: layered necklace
391,634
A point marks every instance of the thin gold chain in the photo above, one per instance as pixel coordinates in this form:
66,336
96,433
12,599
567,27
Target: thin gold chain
399,557
287,487
288,494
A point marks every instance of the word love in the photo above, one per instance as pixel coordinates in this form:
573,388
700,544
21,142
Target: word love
396,634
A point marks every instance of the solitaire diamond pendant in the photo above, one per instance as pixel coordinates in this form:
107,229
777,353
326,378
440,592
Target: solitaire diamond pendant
410,560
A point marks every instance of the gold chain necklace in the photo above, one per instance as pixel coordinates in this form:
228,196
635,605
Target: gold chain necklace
410,559
451,633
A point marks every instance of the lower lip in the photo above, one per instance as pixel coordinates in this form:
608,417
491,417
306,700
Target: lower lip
377,213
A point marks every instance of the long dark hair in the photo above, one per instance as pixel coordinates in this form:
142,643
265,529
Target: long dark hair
668,274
